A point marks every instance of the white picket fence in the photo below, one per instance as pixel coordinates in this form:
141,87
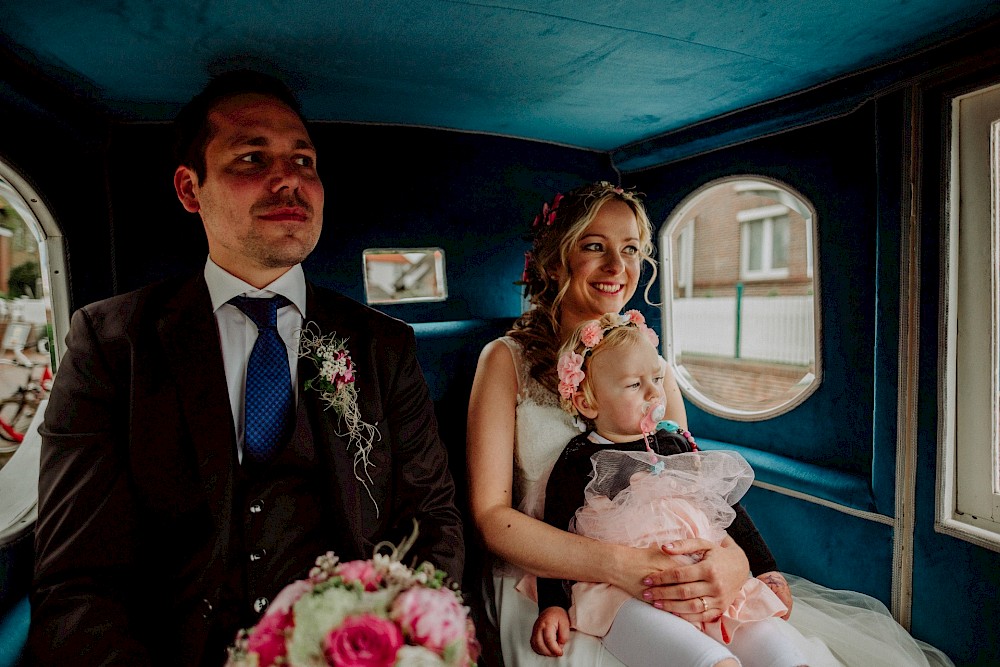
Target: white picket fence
777,329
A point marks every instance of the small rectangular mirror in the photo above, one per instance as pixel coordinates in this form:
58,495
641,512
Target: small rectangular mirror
404,275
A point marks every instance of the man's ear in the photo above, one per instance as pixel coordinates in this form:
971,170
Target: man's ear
186,187
583,406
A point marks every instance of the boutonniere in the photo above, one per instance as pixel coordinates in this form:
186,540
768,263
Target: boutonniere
334,380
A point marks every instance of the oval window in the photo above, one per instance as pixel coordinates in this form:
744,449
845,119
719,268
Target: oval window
741,319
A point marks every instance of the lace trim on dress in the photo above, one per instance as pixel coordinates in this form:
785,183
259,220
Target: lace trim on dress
528,388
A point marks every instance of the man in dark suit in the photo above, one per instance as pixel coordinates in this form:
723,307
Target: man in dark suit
161,529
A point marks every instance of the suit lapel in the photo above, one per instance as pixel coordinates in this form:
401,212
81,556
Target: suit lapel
335,449
190,337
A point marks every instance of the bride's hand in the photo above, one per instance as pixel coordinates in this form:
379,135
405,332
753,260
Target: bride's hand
698,591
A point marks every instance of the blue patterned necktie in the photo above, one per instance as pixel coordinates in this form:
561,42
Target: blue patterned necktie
268,403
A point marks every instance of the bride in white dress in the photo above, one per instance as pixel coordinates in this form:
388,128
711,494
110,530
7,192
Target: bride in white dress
586,260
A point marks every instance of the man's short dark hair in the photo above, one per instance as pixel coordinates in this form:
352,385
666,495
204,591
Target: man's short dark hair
192,131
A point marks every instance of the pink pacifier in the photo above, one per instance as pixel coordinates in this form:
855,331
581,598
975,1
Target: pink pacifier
652,413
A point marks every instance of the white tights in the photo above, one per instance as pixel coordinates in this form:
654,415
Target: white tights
644,636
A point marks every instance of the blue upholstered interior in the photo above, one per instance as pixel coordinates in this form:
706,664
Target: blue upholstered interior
79,82
778,470
14,623
448,352
16,564
594,75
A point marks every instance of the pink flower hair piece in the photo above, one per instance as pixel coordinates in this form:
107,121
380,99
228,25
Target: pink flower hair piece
570,365
570,374
650,334
591,334
635,317
548,214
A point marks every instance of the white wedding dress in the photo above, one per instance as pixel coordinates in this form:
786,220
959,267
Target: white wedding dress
854,627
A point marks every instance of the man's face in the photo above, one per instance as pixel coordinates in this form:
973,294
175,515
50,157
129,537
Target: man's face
261,200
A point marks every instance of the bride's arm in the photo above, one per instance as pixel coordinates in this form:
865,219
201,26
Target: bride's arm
508,533
519,539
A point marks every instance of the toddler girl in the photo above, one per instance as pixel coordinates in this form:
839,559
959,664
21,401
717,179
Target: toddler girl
628,482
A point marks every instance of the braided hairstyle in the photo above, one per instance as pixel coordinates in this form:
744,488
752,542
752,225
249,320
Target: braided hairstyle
555,233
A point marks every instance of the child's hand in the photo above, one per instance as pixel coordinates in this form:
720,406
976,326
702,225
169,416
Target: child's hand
551,632
777,583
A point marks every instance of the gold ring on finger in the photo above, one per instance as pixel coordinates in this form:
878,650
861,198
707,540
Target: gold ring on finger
704,604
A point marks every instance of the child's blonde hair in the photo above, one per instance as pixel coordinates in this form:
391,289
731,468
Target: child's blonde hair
610,332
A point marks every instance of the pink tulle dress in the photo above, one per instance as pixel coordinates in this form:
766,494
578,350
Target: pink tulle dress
641,499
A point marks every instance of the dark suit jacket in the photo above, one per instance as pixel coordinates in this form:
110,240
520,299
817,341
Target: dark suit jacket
137,472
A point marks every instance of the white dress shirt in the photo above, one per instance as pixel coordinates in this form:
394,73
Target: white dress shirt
237,333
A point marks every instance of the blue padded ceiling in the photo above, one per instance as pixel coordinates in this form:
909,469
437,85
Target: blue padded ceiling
595,75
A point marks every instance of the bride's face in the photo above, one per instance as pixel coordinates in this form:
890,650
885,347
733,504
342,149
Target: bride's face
624,381
604,266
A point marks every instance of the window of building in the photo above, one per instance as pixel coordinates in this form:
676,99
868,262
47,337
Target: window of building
685,259
764,246
740,318
968,503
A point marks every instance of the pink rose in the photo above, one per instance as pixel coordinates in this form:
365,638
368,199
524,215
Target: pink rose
288,596
268,638
348,364
363,641
570,375
432,618
472,645
566,390
361,571
591,334
346,374
651,335
568,368
635,317
570,361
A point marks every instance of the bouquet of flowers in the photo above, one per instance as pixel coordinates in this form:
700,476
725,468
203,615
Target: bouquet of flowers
363,613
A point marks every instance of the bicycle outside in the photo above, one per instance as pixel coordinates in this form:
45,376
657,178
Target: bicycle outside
18,409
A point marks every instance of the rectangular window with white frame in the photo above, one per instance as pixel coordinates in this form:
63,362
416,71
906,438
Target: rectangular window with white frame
764,240
968,493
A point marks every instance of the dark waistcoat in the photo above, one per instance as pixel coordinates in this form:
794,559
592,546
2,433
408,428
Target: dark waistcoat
282,520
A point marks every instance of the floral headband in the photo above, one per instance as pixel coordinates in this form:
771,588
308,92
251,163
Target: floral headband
570,366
